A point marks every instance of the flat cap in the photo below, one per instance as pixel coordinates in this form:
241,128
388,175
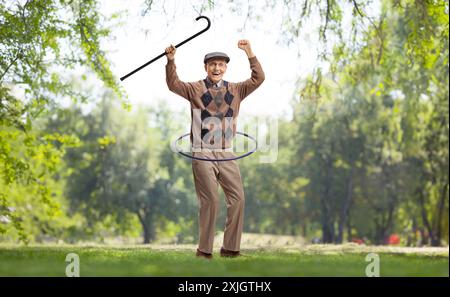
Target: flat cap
216,55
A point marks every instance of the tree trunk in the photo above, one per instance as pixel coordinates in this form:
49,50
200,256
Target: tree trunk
383,225
304,229
343,217
423,237
425,221
436,239
327,220
148,227
349,227
379,236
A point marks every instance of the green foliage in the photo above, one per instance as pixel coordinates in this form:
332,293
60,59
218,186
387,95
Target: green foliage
39,41
375,120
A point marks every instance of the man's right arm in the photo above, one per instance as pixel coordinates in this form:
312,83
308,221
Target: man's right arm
173,82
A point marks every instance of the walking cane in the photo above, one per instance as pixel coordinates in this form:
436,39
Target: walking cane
176,46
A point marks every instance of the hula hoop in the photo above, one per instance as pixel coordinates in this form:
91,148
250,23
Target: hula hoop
174,145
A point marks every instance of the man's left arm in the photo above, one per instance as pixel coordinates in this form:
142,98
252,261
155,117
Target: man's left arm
248,86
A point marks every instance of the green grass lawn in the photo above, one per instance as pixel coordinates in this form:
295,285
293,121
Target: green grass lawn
151,261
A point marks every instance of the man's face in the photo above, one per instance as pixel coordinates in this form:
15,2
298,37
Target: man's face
215,68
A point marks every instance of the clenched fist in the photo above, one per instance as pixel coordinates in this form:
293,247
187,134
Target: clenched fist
244,45
170,52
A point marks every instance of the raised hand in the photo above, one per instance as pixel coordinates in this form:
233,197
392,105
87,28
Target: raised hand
244,45
170,52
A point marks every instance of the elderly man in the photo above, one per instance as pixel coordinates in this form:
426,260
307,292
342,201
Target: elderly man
214,109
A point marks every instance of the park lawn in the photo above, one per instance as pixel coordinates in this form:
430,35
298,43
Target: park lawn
145,261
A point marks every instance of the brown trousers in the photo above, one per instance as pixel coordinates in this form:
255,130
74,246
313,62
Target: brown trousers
207,177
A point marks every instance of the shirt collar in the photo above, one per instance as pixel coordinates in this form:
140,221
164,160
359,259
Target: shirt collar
219,84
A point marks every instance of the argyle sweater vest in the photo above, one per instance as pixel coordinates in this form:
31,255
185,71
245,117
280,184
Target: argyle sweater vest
214,110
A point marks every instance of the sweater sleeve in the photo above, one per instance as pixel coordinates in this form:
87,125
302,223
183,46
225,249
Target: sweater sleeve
248,86
183,89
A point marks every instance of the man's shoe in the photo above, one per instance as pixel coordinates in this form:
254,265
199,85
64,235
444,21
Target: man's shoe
201,254
228,253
